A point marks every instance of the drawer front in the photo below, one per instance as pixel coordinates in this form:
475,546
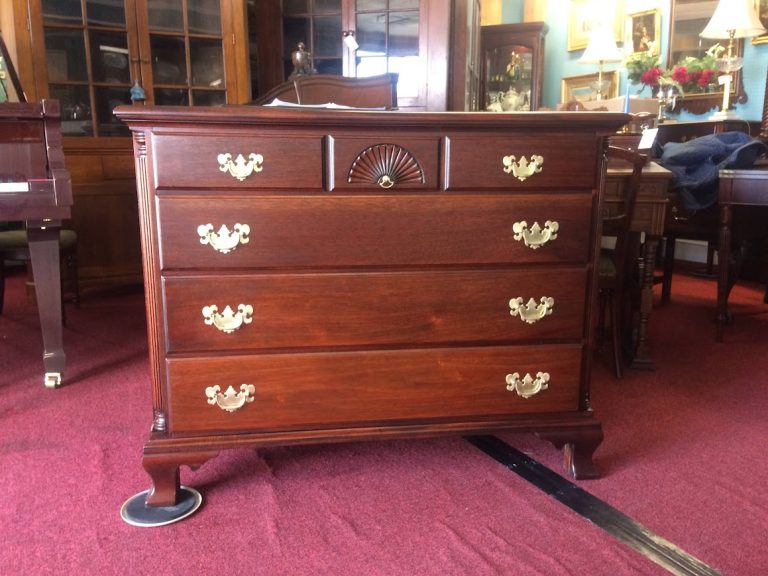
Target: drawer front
279,311
181,161
350,389
337,231
384,163
565,161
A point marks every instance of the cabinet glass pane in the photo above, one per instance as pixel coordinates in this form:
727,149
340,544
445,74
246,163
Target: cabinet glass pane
207,62
371,34
165,16
327,40
106,101
109,57
403,34
326,6
330,66
295,30
168,60
106,12
208,98
65,55
366,5
171,97
204,16
403,4
75,112
295,6
62,12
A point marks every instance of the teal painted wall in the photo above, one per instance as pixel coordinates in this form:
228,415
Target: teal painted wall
560,63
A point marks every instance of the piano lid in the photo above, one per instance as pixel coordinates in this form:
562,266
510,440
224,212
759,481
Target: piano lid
10,87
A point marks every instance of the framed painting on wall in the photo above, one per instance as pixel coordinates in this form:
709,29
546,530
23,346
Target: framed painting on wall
646,31
581,88
581,20
761,7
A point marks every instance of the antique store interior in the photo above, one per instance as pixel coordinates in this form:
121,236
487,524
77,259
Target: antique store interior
383,287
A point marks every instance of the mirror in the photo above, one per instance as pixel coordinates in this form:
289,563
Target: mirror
688,18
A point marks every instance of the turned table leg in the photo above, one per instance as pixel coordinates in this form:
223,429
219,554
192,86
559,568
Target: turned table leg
642,357
724,252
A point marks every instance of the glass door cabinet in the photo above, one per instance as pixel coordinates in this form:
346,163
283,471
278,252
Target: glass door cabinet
361,38
512,64
102,53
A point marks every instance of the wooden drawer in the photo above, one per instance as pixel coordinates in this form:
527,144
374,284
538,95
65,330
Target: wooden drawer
385,162
373,309
569,162
370,388
194,162
337,231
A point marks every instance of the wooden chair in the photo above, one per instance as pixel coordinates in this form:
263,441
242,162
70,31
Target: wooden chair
15,248
615,272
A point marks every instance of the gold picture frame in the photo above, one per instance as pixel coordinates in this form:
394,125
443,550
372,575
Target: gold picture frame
580,22
761,7
579,87
646,31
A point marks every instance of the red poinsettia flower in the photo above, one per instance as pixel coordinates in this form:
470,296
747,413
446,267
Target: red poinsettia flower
680,75
651,76
705,78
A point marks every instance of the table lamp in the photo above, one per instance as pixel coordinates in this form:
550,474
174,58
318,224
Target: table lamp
732,19
601,49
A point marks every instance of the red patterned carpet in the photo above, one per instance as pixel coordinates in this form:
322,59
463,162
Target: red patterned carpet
684,455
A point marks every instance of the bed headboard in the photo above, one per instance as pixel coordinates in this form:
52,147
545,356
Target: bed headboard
372,92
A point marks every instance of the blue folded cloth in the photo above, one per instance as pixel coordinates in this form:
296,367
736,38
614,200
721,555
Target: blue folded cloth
695,163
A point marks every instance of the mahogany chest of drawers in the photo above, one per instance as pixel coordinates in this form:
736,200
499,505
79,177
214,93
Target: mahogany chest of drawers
316,276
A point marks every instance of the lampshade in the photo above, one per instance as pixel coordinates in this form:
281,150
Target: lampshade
601,48
733,16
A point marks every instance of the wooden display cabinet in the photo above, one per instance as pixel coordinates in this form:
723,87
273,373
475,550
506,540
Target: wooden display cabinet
512,63
431,44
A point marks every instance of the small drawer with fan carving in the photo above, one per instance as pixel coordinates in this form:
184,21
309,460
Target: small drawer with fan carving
372,230
237,161
359,389
522,162
386,163
303,310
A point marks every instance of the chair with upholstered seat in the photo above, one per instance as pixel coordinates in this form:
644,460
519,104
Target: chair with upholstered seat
615,272
15,248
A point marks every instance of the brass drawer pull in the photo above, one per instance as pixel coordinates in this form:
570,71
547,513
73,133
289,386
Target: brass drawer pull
225,240
523,168
536,236
230,400
528,386
531,312
228,321
240,168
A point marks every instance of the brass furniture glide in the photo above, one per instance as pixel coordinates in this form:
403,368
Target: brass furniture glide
318,276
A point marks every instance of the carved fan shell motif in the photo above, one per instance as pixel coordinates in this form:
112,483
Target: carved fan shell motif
385,165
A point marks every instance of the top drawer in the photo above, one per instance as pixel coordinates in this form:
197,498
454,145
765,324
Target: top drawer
237,161
521,162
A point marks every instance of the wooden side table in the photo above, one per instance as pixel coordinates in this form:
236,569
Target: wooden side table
737,188
648,219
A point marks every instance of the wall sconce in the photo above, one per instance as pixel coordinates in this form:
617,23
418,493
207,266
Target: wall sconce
601,50
732,19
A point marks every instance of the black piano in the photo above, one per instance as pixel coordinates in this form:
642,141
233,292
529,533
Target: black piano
35,188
